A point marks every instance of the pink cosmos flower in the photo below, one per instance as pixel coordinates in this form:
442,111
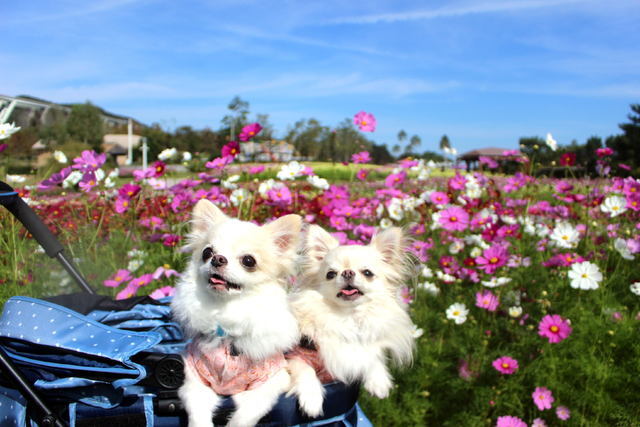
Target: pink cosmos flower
339,222
603,152
366,122
543,398
129,291
280,196
89,161
219,163
487,300
55,179
554,328
158,168
563,413
492,258
122,204
505,365
394,179
171,240
405,295
3,147
454,219
165,291
491,164
249,131
538,422
165,271
509,421
129,190
361,157
362,174
88,181
118,278
439,198
457,182
254,170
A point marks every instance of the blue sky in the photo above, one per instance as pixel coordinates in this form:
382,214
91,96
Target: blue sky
483,72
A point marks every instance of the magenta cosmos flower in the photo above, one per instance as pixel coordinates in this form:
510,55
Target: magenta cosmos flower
487,300
231,149
361,157
117,279
554,328
543,398
505,365
492,258
454,219
509,421
366,122
249,131
439,198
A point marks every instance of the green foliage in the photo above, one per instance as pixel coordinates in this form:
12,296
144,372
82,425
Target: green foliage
85,124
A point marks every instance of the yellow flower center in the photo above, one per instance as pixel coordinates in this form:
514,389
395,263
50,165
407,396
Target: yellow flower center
554,329
453,219
585,275
166,266
456,313
364,123
505,365
493,260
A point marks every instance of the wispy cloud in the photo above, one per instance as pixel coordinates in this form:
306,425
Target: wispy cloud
79,9
475,8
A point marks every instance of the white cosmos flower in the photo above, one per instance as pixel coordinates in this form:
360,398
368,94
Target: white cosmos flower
417,332
552,143
230,183
395,209
385,223
8,129
186,156
290,171
238,196
635,288
267,185
430,287
426,272
456,247
614,205
515,311
564,235
168,154
457,312
621,246
318,182
494,282
73,178
585,275
447,278
60,157
15,179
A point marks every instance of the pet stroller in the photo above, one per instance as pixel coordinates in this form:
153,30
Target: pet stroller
87,360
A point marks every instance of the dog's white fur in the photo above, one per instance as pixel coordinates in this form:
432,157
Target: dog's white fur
257,316
353,337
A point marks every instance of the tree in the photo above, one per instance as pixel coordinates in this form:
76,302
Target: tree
238,118
537,150
308,137
85,124
414,143
627,145
445,144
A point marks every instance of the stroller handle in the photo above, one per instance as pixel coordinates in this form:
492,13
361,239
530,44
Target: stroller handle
10,199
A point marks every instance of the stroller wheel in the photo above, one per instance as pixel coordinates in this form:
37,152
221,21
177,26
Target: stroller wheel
169,372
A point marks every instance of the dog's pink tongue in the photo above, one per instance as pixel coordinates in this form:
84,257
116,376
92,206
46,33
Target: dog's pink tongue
349,291
216,281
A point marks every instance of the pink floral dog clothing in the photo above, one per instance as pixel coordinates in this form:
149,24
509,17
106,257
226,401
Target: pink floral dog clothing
229,374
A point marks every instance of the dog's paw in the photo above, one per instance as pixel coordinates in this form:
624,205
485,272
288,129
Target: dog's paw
310,394
379,386
240,419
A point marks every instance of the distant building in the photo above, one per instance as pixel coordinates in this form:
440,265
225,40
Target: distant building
472,158
117,145
27,111
269,151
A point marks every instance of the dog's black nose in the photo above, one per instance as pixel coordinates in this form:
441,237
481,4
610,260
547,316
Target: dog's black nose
348,274
218,260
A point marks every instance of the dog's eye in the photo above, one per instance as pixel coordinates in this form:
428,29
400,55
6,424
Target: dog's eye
367,273
206,254
248,261
331,274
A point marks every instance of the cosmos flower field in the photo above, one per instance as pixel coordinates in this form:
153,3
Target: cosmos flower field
526,293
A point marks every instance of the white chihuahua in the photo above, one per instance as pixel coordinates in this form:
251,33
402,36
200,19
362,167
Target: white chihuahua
350,315
232,302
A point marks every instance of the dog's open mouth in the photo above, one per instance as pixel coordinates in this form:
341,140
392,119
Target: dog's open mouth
349,293
218,283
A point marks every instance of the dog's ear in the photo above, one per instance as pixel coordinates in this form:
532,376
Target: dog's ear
286,232
204,214
318,243
390,243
